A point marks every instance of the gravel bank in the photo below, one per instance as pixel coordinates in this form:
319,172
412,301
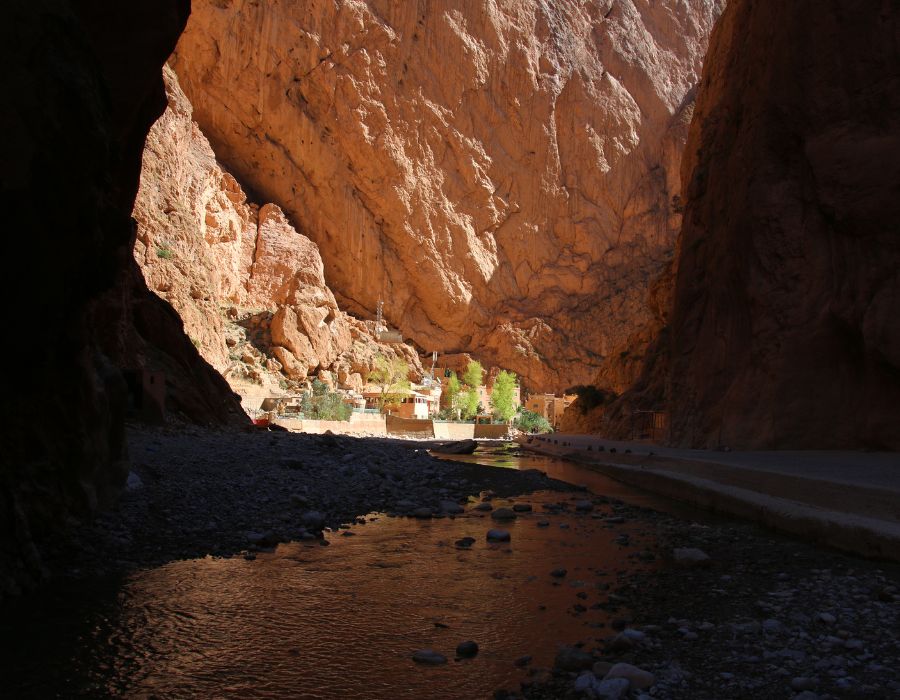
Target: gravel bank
738,612
194,492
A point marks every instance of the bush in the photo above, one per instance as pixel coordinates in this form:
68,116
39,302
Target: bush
322,404
164,252
527,420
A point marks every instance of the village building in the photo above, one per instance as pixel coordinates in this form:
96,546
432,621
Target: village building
550,406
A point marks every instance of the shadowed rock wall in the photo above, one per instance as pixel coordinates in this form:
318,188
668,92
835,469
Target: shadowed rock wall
83,85
786,325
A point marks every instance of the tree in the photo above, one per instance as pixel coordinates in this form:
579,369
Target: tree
392,377
473,374
503,394
451,396
470,404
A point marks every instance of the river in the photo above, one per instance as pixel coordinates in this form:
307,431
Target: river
342,621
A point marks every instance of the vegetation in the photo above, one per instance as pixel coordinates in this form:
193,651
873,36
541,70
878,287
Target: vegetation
470,404
392,377
503,395
589,397
452,395
322,404
473,375
164,252
528,421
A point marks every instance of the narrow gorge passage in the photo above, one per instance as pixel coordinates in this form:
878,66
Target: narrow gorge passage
335,320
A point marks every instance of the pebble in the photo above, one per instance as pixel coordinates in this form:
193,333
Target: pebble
637,677
573,659
558,573
484,506
466,650
690,556
522,507
498,535
429,657
504,514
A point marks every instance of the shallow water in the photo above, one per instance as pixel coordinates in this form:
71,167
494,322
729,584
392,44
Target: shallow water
340,621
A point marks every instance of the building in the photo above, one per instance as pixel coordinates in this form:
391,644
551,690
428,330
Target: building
550,406
419,402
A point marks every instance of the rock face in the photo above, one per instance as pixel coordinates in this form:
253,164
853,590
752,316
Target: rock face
785,329
83,87
504,175
250,289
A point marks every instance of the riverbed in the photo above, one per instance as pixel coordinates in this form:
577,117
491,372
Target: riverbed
209,581
341,621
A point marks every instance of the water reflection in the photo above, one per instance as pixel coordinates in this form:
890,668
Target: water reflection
336,622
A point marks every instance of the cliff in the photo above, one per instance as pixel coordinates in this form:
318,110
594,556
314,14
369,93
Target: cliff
785,325
504,175
82,87
248,287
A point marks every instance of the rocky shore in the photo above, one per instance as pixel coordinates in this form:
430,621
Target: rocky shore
194,492
737,612
712,608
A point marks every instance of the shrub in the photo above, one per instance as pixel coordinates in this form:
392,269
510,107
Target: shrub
527,420
164,252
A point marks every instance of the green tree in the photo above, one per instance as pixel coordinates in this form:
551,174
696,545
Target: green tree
473,375
470,404
503,394
527,420
392,377
451,396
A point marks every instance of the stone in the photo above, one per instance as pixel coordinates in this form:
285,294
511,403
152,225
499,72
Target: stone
465,542
558,573
803,683
612,689
522,507
422,513
498,535
313,520
429,657
573,659
690,557
466,650
584,506
484,507
503,514
543,523
451,507
133,483
638,678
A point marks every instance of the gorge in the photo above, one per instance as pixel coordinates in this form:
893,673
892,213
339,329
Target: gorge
220,193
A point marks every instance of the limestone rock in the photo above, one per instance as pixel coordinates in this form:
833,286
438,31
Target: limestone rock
249,288
504,176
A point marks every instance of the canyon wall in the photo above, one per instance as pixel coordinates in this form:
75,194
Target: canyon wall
785,325
81,88
249,288
505,175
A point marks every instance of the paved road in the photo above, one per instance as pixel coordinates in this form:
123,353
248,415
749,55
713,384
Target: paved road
880,470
